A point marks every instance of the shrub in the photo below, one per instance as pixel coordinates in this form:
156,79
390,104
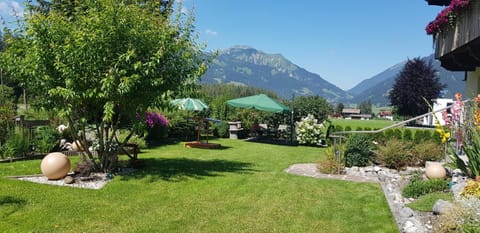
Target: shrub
156,134
16,145
45,139
338,128
397,134
407,135
330,165
394,153
418,188
422,135
347,128
436,137
7,114
183,128
309,131
359,150
428,151
378,137
389,134
359,128
221,130
140,141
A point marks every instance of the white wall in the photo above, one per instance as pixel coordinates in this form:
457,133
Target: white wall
437,104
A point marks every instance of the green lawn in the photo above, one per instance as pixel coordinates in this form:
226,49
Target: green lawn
240,188
425,203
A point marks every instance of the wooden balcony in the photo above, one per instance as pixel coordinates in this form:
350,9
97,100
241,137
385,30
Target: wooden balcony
458,48
438,2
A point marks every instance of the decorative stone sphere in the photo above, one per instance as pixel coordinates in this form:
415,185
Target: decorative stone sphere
55,166
76,146
435,171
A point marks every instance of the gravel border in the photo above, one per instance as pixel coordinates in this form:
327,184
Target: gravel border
94,181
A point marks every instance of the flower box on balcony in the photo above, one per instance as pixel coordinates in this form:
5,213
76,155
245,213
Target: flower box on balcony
457,43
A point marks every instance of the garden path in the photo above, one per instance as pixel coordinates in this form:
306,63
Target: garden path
310,169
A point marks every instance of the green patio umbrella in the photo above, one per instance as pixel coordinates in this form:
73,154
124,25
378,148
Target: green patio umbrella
261,102
192,104
189,104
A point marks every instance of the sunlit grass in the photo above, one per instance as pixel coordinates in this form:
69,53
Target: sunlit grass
239,188
425,203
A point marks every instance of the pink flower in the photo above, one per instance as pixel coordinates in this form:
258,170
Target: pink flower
154,118
446,16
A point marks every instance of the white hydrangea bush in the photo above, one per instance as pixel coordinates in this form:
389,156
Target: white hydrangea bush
309,131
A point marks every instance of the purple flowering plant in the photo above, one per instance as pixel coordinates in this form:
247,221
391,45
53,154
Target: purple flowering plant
154,118
447,16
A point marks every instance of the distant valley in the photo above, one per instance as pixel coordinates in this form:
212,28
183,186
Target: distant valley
243,65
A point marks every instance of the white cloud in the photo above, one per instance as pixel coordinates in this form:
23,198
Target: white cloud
211,32
11,8
17,9
4,7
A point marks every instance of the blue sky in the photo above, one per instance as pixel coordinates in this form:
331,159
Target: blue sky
343,41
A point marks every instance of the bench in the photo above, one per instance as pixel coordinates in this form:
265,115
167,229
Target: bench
131,150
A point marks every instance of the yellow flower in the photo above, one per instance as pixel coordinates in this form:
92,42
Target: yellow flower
447,135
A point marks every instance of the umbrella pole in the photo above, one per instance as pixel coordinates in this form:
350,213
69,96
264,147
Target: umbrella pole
292,125
198,130
207,128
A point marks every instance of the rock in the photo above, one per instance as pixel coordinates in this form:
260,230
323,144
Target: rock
441,207
397,197
68,180
454,179
457,172
369,169
458,187
412,225
406,212
409,227
377,168
382,177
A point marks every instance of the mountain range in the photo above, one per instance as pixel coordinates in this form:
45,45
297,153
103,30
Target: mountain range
243,65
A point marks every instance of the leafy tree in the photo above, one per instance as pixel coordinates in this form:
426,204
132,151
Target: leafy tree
416,83
365,107
315,105
339,108
103,62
